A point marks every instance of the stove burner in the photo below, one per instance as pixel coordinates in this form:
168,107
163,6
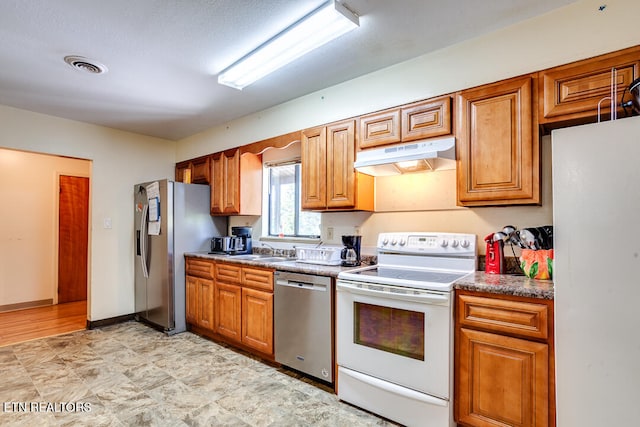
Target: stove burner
424,276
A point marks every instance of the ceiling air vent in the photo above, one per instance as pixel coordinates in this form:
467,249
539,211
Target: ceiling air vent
85,64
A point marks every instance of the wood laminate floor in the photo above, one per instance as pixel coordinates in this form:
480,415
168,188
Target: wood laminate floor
33,323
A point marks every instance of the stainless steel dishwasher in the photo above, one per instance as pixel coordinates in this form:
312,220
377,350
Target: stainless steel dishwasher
303,327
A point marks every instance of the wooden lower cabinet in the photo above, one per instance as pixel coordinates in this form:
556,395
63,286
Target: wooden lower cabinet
234,305
504,365
257,320
191,299
503,381
227,313
199,297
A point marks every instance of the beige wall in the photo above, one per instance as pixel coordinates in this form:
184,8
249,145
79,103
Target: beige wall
574,32
119,160
28,223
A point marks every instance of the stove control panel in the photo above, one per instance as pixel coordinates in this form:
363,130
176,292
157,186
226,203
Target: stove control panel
428,243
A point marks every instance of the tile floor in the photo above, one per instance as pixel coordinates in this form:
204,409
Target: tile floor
132,375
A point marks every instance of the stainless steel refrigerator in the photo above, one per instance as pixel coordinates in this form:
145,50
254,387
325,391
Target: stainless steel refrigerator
171,218
596,200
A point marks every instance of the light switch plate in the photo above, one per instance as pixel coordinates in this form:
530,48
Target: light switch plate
107,223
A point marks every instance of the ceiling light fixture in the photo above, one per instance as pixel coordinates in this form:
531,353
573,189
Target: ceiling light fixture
326,23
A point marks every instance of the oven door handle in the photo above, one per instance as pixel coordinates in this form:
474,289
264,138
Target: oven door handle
422,296
393,388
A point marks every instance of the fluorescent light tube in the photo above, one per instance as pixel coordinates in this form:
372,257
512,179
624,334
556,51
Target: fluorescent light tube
326,23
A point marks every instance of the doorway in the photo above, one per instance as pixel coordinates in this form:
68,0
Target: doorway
73,238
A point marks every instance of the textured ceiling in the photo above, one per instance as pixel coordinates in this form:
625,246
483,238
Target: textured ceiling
163,56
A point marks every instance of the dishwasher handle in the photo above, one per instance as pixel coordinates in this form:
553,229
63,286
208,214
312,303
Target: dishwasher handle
302,285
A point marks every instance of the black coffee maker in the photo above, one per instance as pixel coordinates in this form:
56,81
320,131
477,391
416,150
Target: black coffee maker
351,252
244,234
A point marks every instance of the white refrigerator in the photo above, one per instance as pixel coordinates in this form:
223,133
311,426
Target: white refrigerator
596,213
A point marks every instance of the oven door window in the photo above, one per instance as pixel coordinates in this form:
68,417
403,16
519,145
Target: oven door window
389,329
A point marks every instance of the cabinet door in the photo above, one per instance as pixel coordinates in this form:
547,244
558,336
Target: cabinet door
205,303
231,187
426,119
217,178
573,91
200,170
314,168
257,320
192,300
379,128
501,381
498,148
183,172
340,174
228,303
225,182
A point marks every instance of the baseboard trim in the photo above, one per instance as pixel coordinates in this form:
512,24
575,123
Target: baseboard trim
23,305
93,324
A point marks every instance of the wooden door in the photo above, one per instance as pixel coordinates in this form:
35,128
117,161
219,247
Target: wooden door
231,187
192,300
205,308
73,238
257,320
498,148
314,168
501,381
228,304
341,175
217,179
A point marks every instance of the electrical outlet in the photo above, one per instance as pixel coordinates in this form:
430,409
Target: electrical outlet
329,233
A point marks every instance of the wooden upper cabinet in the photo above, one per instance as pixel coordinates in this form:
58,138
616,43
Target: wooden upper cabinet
571,93
411,122
200,170
381,128
341,175
329,180
194,171
426,119
498,147
236,183
314,168
183,172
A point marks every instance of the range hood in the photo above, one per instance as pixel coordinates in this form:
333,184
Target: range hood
420,156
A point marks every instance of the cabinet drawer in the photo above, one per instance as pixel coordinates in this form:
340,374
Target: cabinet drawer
573,91
200,268
228,273
426,119
380,128
256,278
526,319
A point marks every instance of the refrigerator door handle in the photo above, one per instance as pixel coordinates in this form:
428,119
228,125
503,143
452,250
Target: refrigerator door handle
143,241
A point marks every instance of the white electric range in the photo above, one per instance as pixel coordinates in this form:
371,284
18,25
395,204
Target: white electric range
395,327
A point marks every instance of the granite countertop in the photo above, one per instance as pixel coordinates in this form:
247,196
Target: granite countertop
293,265
502,284
507,284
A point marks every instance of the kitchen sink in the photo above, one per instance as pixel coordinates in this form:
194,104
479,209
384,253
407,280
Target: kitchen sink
258,257
275,259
